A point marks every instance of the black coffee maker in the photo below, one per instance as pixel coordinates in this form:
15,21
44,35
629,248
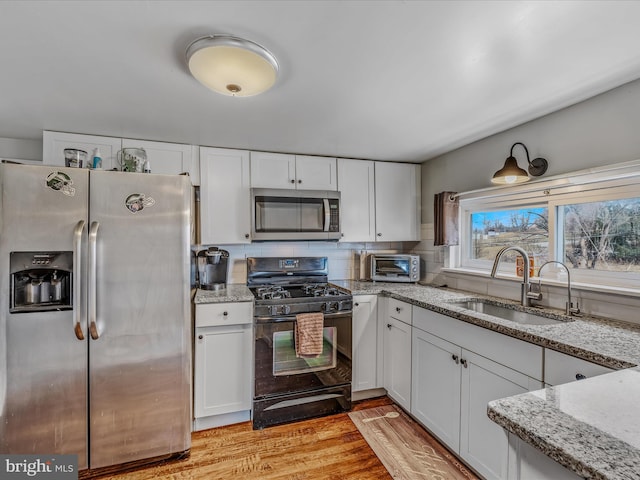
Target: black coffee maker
211,266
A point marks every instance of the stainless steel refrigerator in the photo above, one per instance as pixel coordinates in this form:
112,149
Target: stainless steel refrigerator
95,329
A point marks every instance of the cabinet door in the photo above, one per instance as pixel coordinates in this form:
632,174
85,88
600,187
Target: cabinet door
225,213
357,203
54,143
167,158
273,170
397,361
484,444
222,370
316,173
435,392
365,342
397,201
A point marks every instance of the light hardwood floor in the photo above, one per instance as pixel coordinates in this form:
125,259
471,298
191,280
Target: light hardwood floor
318,449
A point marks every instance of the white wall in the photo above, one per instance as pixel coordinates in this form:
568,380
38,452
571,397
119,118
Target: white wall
18,149
600,131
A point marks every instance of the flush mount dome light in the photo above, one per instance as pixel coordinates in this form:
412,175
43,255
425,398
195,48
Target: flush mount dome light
232,65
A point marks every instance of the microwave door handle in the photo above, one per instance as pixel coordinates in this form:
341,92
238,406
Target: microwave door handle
327,214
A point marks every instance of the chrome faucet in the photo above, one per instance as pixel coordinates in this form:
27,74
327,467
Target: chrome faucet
569,309
525,294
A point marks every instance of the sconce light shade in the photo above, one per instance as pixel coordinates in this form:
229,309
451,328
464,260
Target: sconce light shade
231,65
512,174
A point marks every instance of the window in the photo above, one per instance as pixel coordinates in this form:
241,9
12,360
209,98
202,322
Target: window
588,221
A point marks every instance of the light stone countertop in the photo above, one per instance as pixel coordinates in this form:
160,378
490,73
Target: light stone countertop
235,292
592,426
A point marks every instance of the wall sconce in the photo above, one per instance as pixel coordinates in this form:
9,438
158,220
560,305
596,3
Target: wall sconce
511,173
231,65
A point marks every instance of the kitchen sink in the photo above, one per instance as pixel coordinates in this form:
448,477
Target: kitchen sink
505,313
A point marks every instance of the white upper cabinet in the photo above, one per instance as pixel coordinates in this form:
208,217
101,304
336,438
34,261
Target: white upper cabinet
225,211
397,201
54,143
281,170
169,158
316,173
357,201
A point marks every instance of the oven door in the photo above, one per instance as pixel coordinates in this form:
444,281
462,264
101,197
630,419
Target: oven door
279,372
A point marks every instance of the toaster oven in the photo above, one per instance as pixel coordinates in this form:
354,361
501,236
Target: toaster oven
394,268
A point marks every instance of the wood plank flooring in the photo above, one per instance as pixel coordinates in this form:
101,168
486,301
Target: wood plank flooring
327,448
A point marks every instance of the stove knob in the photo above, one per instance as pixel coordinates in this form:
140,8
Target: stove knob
273,309
327,307
286,309
340,305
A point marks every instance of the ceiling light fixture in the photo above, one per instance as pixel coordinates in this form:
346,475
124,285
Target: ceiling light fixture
511,173
232,65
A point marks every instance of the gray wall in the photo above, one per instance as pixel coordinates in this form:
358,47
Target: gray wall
600,131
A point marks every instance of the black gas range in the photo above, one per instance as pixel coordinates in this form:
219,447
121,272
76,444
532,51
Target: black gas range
288,388
279,300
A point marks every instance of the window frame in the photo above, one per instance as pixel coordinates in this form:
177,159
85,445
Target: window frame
601,184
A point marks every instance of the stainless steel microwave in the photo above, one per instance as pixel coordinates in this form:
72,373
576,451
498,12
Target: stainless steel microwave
281,214
394,267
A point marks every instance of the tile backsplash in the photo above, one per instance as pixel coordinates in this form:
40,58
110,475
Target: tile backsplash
344,258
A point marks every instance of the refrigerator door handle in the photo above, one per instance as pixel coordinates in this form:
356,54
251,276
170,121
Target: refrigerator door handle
77,280
94,327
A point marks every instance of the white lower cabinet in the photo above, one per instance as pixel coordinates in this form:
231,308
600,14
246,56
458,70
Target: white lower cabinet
436,386
223,364
452,385
560,368
365,343
397,354
483,443
529,463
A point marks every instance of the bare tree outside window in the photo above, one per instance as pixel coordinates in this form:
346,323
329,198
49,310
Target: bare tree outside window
603,235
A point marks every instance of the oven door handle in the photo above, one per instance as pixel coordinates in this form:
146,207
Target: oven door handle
292,318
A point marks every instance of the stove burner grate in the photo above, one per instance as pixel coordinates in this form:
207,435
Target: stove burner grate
273,292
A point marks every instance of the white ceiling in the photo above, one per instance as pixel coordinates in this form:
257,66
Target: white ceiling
387,80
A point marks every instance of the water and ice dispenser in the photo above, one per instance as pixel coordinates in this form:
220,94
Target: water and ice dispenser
40,281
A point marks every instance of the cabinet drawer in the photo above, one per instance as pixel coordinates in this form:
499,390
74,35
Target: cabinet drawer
560,368
213,314
400,310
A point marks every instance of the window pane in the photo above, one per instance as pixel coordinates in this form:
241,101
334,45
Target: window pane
603,236
527,228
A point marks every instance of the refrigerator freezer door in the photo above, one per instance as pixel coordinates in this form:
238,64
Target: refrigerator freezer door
43,363
140,338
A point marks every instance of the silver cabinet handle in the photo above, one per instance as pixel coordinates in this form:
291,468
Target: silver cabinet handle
463,362
77,280
94,328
